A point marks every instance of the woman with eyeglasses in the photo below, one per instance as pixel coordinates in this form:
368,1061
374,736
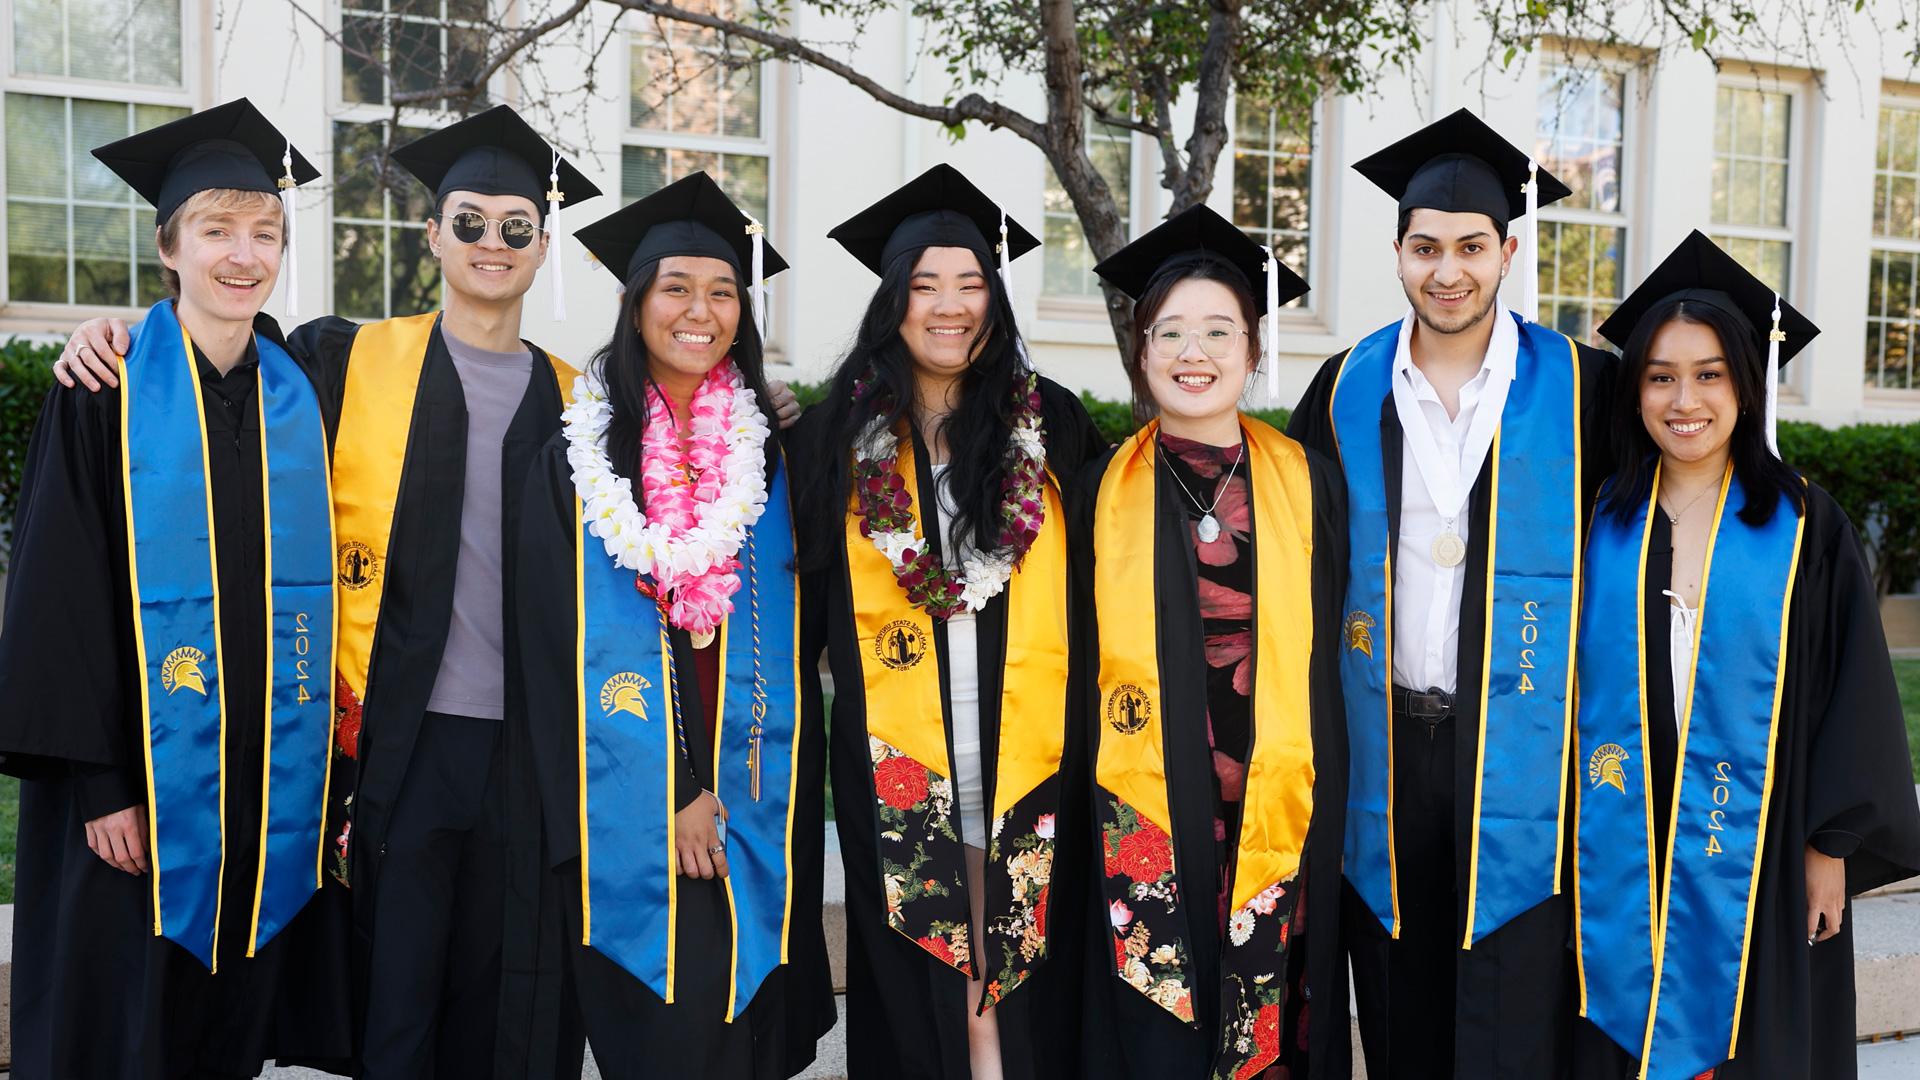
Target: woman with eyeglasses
1212,547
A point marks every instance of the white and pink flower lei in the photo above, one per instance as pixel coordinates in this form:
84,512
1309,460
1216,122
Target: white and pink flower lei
702,496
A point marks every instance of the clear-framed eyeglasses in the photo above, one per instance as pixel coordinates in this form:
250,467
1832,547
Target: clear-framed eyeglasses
1216,337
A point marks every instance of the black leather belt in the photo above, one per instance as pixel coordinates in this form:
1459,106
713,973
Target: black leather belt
1431,706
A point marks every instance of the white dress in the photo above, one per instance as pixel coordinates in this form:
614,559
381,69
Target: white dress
1681,621
963,690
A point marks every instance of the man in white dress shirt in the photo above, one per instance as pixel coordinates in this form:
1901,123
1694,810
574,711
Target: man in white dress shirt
1461,422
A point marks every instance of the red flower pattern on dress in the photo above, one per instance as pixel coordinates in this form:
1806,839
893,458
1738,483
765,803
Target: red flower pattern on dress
346,718
1266,1042
1014,942
900,782
1235,517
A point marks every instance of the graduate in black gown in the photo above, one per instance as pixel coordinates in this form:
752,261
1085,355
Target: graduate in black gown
1752,774
1213,548
153,937
930,471
703,956
1461,421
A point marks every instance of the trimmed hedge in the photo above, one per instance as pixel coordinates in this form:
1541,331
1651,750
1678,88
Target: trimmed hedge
26,373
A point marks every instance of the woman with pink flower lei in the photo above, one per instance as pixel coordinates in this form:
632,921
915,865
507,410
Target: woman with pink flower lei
1212,547
934,554
678,759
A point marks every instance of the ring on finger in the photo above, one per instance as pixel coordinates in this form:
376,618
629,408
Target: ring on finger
716,849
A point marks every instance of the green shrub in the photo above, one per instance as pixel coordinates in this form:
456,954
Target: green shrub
26,372
1870,470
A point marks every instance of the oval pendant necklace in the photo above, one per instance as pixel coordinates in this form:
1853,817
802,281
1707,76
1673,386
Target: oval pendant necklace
1208,527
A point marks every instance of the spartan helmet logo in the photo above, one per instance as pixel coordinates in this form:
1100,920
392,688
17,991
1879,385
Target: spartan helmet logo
900,644
1128,708
359,566
1360,632
1603,768
181,669
621,693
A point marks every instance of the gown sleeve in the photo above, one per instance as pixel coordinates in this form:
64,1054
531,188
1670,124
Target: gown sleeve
1860,804
66,707
1310,425
322,346
544,619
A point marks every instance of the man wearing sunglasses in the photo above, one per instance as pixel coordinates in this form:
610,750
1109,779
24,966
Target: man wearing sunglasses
439,416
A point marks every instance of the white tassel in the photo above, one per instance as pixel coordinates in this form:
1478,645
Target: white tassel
289,262
1530,265
758,284
1272,342
1006,282
1774,337
556,239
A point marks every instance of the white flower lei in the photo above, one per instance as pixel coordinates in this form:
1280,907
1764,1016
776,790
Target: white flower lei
983,576
608,508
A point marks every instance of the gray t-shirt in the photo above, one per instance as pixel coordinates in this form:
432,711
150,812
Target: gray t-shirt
472,677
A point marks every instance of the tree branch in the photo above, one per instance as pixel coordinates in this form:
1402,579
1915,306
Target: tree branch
969,107
1210,114
477,83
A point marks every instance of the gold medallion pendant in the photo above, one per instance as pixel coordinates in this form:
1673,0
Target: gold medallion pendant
1449,550
701,638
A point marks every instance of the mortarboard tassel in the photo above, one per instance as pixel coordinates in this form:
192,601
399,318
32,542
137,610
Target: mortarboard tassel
556,238
1272,343
1774,337
289,262
758,285
1005,251
1530,265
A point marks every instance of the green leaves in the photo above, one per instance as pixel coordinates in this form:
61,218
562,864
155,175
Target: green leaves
26,374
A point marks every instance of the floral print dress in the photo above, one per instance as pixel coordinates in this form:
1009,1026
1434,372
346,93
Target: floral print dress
1224,566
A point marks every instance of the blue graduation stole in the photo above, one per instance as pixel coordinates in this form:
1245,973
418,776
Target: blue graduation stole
1525,684
176,608
1679,1014
629,713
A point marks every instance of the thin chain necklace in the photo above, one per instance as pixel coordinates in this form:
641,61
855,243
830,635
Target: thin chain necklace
1208,528
1674,516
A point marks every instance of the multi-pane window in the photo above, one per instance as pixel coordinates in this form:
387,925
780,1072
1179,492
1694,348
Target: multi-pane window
1893,310
122,41
1752,171
1580,125
398,47
1273,182
1068,259
382,266
76,233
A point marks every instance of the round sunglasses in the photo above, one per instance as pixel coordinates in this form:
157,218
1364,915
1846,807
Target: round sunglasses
515,232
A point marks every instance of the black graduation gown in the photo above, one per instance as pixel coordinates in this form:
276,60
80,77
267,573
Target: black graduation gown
536,1035
634,1033
95,993
906,1011
1123,1033
1514,988
1840,781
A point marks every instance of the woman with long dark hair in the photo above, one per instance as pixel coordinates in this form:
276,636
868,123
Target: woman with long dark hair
1745,760
679,757
934,550
1213,548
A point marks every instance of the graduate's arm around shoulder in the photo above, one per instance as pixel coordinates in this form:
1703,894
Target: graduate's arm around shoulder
67,710
1860,801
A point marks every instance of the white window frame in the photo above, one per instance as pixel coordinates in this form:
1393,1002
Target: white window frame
1794,85
1624,218
342,111
1310,314
1877,242
1080,307
39,316
767,145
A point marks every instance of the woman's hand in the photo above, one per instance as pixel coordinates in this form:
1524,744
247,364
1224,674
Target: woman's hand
697,839
120,839
1826,894
786,407
92,354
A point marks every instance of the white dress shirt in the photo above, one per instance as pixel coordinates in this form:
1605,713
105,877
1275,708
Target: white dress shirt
1681,621
1440,457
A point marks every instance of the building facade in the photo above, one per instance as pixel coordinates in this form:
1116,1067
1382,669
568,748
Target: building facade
1810,175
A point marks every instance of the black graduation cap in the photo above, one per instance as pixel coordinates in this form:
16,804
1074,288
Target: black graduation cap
1458,164
1193,234
492,153
938,208
231,146
1699,271
690,216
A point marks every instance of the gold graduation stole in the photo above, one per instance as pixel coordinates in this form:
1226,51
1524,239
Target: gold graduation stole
370,453
1147,901
922,866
